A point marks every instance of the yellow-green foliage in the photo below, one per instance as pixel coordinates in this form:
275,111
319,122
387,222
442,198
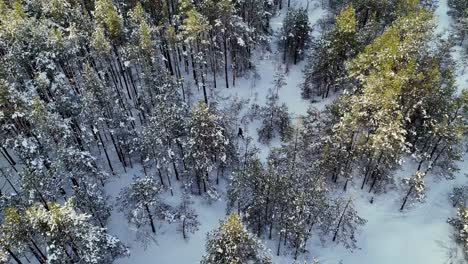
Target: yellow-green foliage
395,47
195,23
233,227
387,71
107,16
146,43
406,6
13,230
138,13
12,19
346,20
99,41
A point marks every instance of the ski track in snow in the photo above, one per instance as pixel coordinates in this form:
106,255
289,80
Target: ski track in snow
420,235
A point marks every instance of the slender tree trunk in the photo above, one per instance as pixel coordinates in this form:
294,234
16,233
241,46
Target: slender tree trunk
345,185
204,183
8,156
150,217
9,182
197,175
12,163
18,261
225,61
169,182
160,177
36,255
38,249
341,219
105,152
406,198
279,244
175,170
183,229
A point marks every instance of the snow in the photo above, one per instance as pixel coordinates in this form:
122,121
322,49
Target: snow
420,234
444,22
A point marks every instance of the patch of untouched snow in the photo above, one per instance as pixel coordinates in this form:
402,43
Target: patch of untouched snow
443,20
444,28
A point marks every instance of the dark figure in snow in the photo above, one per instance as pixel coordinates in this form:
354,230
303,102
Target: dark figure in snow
240,133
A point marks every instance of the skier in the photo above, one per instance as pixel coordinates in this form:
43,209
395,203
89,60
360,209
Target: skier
240,133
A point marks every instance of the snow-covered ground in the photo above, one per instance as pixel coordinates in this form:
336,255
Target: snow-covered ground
419,235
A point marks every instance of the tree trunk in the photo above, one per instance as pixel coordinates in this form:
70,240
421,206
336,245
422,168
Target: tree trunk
150,217
9,182
8,156
18,261
105,152
406,198
160,177
341,219
175,170
38,249
279,244
225,62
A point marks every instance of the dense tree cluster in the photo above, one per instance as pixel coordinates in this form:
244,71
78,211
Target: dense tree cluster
56,234
288,197
294,34
95,89
356,25
91,88
403,100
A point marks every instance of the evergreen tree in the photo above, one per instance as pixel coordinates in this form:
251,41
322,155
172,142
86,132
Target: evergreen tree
294,34
325,68
459,196
275,117
141,204
207,144
186,217
460,224
231,243
459,12
416,187
346,223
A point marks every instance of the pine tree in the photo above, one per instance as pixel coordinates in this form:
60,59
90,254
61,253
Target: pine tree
383,143
231,243
416,187
195,29
459,12
248,193
294,34
207,144
347,222
460,224
186,217
275,117
325,69
141,204
459,196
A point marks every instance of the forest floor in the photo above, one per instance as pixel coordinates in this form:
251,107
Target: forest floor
419,235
